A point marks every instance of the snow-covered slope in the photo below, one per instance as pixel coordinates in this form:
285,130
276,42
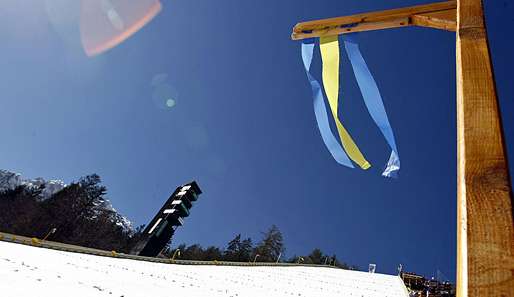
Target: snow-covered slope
32,271
10,180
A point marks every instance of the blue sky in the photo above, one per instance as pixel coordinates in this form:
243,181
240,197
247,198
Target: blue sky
243,124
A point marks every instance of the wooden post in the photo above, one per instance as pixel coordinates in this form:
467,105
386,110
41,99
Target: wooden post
485,252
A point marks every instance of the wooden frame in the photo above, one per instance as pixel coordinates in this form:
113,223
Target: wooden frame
440,15
485,226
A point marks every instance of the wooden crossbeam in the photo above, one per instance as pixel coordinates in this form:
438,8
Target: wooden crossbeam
439,15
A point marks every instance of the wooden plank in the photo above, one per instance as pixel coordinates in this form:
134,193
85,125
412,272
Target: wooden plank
374,16
360,27
444,20
439,15
485,245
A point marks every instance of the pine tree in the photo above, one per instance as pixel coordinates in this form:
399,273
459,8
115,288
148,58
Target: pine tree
193,252
212,253
315,257
20,210
245,251
233,249
79,213
271,246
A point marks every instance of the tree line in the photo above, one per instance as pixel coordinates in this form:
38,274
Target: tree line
83,216
270,248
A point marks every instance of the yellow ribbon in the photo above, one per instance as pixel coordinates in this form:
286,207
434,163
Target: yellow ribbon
329,47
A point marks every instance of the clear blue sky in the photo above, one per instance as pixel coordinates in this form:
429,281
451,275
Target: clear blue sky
243,124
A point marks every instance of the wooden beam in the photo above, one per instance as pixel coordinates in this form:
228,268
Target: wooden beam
381,20
360,27
485,251
375,16
444,20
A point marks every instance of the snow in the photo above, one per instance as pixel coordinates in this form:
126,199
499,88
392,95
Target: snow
10,180
33,271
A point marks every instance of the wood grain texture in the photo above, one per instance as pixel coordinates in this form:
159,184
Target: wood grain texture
360,27
438,15
444,20
374,16
485,252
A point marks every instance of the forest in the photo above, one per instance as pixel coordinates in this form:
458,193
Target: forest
82,215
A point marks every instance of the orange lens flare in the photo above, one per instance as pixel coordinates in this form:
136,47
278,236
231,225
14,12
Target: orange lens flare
104,25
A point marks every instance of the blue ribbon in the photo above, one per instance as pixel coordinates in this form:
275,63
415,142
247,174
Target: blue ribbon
320,109
373,101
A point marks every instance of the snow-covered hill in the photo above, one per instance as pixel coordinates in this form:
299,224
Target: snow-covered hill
32,271
10,180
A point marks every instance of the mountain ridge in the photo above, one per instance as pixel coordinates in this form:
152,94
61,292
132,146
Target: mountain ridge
10,180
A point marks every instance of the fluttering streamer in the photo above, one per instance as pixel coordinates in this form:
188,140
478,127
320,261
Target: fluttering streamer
373,101
320,109
329,47
330,54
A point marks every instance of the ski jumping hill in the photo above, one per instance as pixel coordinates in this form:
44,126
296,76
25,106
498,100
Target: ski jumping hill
37,271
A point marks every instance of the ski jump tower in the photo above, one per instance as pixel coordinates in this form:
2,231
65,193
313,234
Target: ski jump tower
162,227
485,228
